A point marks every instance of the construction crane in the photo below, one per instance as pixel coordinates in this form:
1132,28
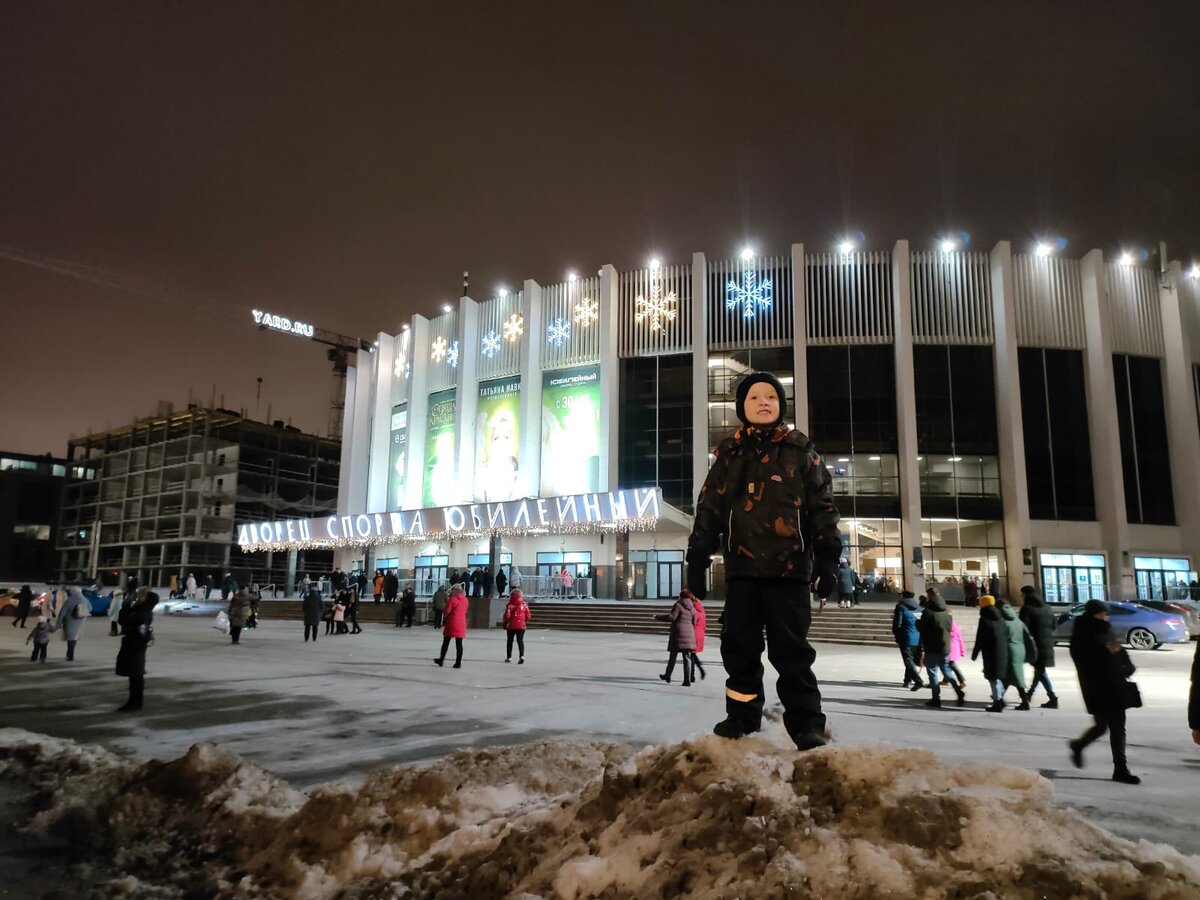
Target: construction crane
341,348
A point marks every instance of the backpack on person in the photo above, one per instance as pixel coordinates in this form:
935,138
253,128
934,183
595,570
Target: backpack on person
77,611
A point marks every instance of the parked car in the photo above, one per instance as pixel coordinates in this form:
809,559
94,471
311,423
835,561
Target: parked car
1189,609
1136,625
97,601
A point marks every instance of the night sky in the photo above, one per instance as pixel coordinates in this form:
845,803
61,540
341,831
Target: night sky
343,163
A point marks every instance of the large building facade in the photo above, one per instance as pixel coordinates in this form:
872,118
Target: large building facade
163,495
30,492
1024,417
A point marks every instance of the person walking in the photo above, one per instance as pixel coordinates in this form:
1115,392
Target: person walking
208,584
137,633
438,603
72,613
701,628
191,586
568,582
514,577
1020,648
24,602
229,587
908,638
239,608
501,582
767,504
1103,667
1039,619
1194,696
846,579
991,642
681,639
934,627
516,618
408,607
391,586
40,636
378,585
114,612
455,625
958,650
351,604
313,608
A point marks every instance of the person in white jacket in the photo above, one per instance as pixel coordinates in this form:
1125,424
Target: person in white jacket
191,586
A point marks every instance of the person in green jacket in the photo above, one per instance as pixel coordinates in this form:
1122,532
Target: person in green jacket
934,627
1020,648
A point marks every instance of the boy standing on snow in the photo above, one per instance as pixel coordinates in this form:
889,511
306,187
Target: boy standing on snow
767,504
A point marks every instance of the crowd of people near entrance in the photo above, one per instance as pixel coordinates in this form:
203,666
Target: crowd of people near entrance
767,506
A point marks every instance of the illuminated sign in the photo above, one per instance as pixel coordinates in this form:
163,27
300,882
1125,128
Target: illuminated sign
633,509
281,323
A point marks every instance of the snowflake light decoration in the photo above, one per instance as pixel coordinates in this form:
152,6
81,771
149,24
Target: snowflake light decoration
452,355
558,332
514,327
587,311
658,308
749,295
437,351
490,345
401,368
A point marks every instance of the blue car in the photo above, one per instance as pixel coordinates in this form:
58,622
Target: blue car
1138,626
97,601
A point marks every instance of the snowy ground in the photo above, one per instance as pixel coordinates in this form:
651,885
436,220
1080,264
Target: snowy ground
340,708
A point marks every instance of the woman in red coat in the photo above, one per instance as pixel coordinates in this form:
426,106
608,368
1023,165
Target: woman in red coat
516,614
701,625
454,625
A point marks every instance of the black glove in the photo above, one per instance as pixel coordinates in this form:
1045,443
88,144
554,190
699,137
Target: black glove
825,577
697,581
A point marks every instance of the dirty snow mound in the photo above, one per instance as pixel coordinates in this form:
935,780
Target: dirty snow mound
704,818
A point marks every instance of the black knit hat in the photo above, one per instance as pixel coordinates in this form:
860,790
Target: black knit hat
1095,607
760,378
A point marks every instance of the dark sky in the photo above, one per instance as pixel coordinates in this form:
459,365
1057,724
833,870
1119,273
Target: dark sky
342,163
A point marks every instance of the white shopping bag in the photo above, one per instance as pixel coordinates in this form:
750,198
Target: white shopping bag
222,622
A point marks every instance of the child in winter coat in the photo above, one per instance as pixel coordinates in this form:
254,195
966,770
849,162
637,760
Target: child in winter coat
339,616
516,615
41,639
454,625
958,649
701,628
682,640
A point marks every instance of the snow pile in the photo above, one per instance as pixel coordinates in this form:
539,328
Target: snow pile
703,818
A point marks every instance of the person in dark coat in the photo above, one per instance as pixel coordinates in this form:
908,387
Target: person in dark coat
136,634
1194,696
440,596
1020,648
208,584
408,607
313,608
907,637
846,579
1039,619
767,504
229,587
1103,667
991,642
239,608
682,637
391,586
501,582
24,602
351,603
934,625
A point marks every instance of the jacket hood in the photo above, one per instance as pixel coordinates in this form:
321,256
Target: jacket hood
744,388
910,602
75,594
990,613
935,602
686,602
150,600
1032,599
1008,612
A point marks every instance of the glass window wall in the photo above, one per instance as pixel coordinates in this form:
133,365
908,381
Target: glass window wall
1069,578
1163,578
962,557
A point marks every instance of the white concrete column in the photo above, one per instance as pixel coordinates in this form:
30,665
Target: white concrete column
700,446
360,436
1179,401
418,411
381,425
1014,486
906,419
466,397
531,392
1103,430
800,340
610,378
347,458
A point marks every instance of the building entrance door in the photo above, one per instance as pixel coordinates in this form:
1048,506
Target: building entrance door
1069,578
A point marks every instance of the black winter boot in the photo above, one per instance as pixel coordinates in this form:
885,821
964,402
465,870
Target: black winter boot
1052,703
1124,776
732,729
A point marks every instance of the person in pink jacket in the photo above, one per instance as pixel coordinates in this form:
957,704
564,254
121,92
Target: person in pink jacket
958,650
701,625
516,614
454,625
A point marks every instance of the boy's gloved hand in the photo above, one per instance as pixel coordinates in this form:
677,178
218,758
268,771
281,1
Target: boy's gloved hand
696,582
825,577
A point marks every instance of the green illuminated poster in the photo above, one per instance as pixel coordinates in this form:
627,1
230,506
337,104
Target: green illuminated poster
570,431
397,457
438,487
497,439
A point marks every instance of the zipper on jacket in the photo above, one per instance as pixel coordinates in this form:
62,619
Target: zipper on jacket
800,531
729,533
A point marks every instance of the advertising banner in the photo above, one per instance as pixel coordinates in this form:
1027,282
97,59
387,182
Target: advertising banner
570,431
438,487
497,439
397,456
